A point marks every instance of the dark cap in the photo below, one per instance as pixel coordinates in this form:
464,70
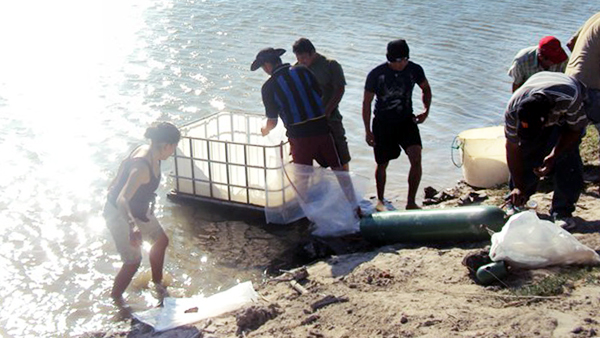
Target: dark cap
397,50
266,55
549,47
532,114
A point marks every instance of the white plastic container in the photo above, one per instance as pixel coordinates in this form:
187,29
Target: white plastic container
224,158
483,152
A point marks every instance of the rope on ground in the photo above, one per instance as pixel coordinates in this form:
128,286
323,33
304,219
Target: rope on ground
485,295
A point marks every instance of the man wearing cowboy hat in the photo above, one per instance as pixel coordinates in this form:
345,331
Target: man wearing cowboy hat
293,94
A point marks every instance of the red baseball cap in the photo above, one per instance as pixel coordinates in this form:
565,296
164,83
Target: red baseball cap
549,47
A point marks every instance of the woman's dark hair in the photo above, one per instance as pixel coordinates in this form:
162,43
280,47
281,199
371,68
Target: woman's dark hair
163,132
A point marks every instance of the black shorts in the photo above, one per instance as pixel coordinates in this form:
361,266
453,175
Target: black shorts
391,135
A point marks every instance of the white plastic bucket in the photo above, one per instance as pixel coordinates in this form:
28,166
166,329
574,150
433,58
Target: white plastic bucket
483,152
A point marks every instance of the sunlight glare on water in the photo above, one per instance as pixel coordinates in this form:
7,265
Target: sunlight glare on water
53,92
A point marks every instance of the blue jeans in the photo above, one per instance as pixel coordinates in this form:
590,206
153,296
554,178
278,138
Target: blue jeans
567,173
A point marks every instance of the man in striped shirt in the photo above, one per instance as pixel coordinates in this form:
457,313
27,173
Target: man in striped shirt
544,122
294,95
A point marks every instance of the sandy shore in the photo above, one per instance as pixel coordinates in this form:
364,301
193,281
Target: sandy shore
424,291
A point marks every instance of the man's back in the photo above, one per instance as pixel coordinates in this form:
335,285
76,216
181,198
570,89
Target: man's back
566,93
293,94
329,74
584,63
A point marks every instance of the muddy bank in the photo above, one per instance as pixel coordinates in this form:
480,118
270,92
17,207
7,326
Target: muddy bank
407,290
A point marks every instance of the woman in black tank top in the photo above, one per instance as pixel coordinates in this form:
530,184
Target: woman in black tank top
128,210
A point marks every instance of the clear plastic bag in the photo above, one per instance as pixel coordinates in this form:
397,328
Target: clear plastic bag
528,242
328,198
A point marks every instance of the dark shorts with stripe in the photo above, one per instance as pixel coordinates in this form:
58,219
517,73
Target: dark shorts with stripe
320,148
390,136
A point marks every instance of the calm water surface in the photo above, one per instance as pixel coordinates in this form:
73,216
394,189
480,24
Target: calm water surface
81,80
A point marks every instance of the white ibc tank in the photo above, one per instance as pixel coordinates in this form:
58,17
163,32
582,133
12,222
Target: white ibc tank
223,157
483,152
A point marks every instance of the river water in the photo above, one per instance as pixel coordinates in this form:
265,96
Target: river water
81,80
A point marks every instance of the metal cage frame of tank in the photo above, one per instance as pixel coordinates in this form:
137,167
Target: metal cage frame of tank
216,171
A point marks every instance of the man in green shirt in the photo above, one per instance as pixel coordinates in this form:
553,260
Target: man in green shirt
331,79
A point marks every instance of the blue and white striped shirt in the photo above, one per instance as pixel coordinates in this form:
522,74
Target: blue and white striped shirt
293,94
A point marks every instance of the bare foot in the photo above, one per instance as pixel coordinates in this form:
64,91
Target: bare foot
118,300
161,292
358,213
380,206
124,310
412,206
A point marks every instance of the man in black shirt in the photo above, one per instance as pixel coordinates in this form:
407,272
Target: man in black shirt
395,125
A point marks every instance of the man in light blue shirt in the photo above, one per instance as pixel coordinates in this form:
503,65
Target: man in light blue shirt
548,55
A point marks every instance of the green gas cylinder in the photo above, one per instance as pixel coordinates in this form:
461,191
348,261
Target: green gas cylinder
433,225
491,273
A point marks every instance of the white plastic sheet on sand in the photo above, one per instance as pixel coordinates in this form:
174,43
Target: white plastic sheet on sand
173,314
328,198
528,242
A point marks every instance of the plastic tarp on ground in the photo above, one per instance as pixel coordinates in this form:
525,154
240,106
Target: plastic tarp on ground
173,313
328,198
528,242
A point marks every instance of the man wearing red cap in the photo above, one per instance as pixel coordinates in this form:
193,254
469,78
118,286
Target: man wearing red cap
548,55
